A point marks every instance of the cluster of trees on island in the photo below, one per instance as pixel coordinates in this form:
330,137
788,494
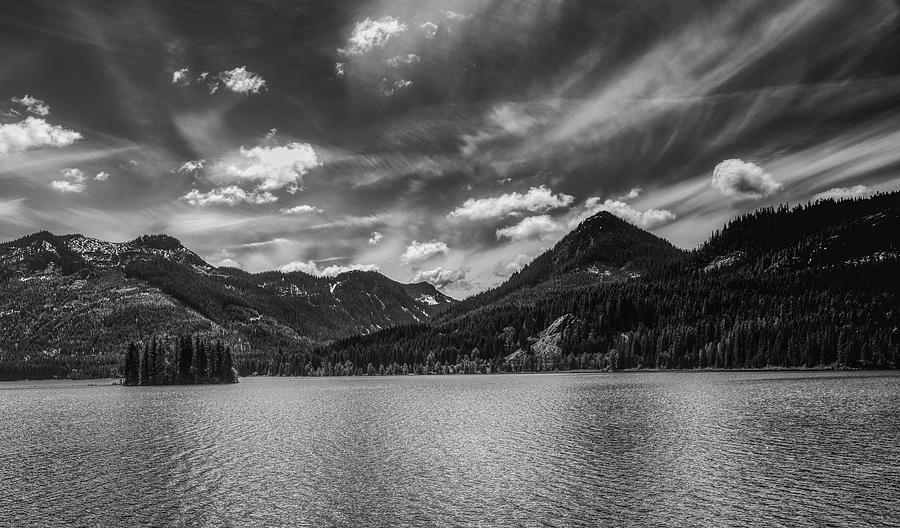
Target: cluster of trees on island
183,361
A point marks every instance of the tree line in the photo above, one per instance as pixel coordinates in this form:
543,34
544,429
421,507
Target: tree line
183,361
730,321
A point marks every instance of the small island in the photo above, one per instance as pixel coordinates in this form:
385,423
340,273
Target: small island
187,360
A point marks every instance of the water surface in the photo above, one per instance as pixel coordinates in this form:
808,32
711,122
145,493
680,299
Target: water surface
636,449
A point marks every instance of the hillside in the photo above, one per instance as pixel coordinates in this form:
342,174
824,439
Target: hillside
602,248
70,302
809,286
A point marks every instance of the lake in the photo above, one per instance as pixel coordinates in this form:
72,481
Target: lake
631,449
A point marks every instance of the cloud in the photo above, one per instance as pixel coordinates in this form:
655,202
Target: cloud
648,219
389,88
839,193
430,29
239,80
400,60
73,182
457,17
33,105
419,251
192,166
505,269
262,245
630,195
504,121
376,238
181,77
73,174
536,200
66,186
231,195
531,227
310,267
698,60
744,180
441,278
34,133
370,34
229,263
300,210
271,168
101,176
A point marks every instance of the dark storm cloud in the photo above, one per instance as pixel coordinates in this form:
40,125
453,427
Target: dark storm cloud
387,116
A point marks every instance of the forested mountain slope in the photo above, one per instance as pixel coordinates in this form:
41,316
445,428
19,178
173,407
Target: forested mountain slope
601,248
815,285
70,302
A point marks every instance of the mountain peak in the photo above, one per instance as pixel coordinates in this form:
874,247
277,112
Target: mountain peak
606,239
40,236
604,220
157,241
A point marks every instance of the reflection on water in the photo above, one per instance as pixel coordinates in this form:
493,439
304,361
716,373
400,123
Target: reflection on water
649,449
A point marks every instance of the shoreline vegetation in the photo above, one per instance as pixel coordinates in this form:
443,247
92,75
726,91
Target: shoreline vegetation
188,360
833,368
107,381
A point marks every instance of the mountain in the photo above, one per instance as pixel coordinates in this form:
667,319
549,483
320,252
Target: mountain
70,302
810,286
602,248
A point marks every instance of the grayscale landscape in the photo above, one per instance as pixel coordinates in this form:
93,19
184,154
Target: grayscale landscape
449,263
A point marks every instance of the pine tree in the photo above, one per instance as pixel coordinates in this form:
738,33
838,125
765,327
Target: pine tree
185,358
228,367
131,365
145,366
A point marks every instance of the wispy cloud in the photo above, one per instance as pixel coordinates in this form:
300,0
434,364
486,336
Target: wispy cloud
506,268
230,195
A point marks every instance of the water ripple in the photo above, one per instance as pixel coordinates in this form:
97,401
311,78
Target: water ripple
678,449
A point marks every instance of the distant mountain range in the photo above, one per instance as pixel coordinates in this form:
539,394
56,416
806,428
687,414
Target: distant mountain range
815,285
71,302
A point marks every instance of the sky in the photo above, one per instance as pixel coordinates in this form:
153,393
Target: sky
449,141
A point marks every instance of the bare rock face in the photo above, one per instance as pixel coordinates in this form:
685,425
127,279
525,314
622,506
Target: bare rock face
545,349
